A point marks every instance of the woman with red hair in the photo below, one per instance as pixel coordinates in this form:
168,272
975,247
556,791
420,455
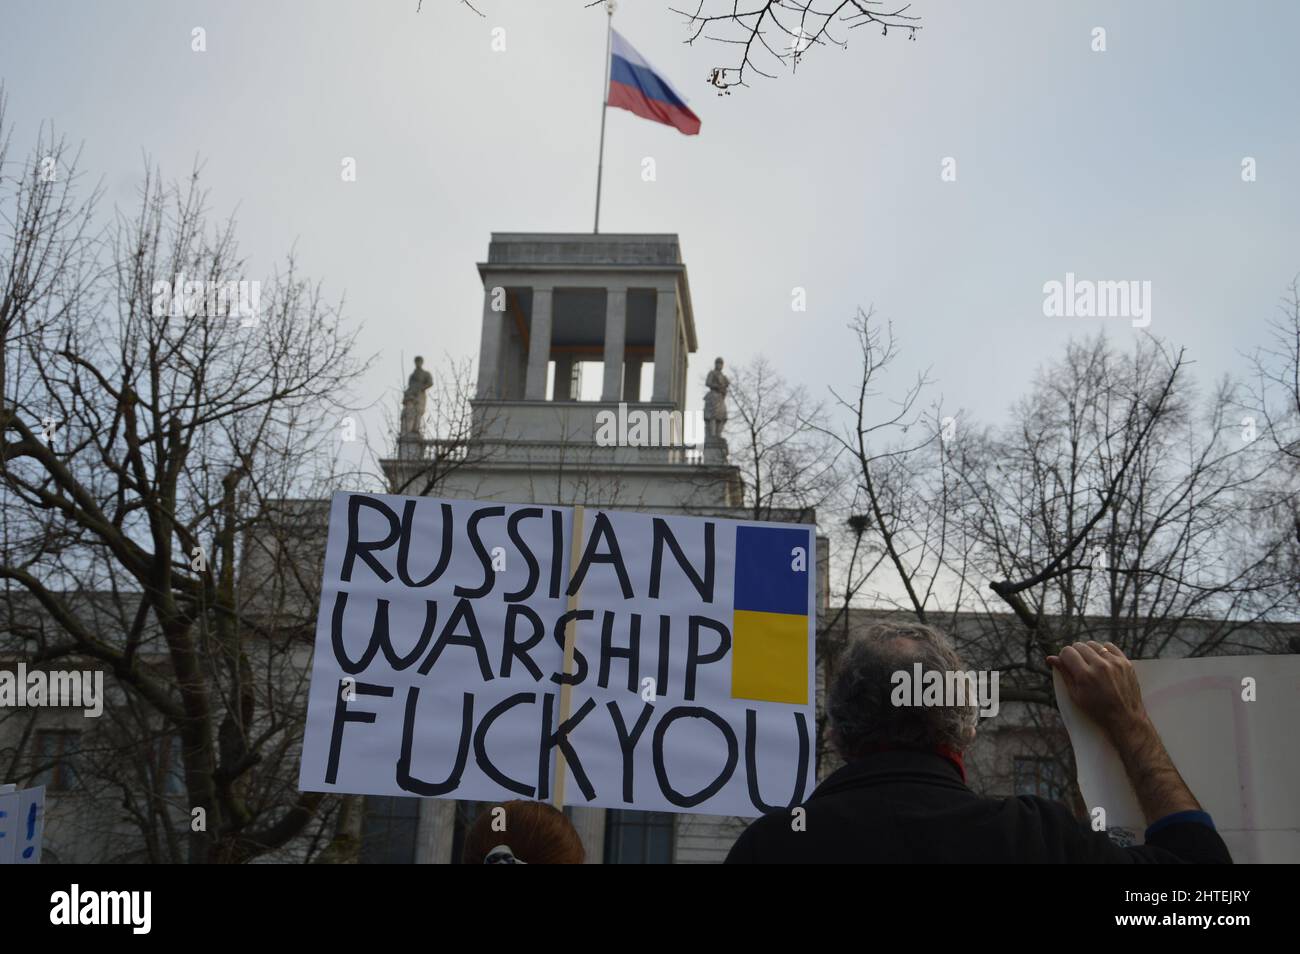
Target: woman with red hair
523,833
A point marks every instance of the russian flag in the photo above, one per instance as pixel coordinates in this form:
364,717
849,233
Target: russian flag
636,86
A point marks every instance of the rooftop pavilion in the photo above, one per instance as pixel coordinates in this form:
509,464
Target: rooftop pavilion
554,302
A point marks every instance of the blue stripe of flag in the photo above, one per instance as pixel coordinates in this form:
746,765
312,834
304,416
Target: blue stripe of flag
647,81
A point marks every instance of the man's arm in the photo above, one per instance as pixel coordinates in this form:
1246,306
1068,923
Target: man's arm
1104,685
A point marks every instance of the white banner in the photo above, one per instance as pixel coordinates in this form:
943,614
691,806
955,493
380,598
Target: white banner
1228,723
440,643
22,824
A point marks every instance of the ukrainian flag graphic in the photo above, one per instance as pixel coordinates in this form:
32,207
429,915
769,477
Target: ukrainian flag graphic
769,629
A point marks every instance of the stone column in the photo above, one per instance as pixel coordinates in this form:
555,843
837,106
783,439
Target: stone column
561,390
489,349
615,336
539,345
665,344
632,380
679,379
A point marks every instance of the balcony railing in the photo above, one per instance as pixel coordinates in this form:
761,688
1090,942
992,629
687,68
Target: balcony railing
557,453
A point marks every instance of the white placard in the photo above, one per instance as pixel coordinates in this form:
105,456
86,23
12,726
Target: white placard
1229,725
439,651
22,825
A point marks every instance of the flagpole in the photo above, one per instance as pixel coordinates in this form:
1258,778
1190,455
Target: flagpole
604,108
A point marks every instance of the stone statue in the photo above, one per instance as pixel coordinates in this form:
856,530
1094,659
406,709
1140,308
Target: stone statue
414,401
715,402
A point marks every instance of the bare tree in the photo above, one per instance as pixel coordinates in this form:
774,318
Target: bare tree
1117,504
888,525
1273,415
465,3
1118,496
1114,506
899,502
787,461
783,31
777,33
149,431
49,250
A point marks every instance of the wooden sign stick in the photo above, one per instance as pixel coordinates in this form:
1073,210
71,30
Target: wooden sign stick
570,640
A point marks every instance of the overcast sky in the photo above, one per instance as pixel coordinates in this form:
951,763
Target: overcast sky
1115,165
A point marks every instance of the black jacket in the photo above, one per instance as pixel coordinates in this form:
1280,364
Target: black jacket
897,807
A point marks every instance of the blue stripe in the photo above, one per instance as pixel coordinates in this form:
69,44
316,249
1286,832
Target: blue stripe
638,77
766,581
1199,818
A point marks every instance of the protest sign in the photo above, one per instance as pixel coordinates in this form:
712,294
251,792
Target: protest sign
22,824
1227,722
440,649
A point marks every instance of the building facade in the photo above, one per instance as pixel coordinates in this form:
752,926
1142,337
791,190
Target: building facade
560,313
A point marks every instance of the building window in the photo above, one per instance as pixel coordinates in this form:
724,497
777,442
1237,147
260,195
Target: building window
466,814
57,755
389,829
638,838
1044,777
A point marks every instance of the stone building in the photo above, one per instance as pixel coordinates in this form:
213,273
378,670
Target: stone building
558,308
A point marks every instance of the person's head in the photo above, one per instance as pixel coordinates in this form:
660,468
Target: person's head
419,361
863,715
536,834
717,363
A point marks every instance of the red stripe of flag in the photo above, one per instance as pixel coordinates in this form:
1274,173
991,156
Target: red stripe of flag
633,100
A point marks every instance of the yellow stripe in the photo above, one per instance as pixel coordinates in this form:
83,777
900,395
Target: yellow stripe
769,657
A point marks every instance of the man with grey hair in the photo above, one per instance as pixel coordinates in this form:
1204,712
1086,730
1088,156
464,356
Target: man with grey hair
902,796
